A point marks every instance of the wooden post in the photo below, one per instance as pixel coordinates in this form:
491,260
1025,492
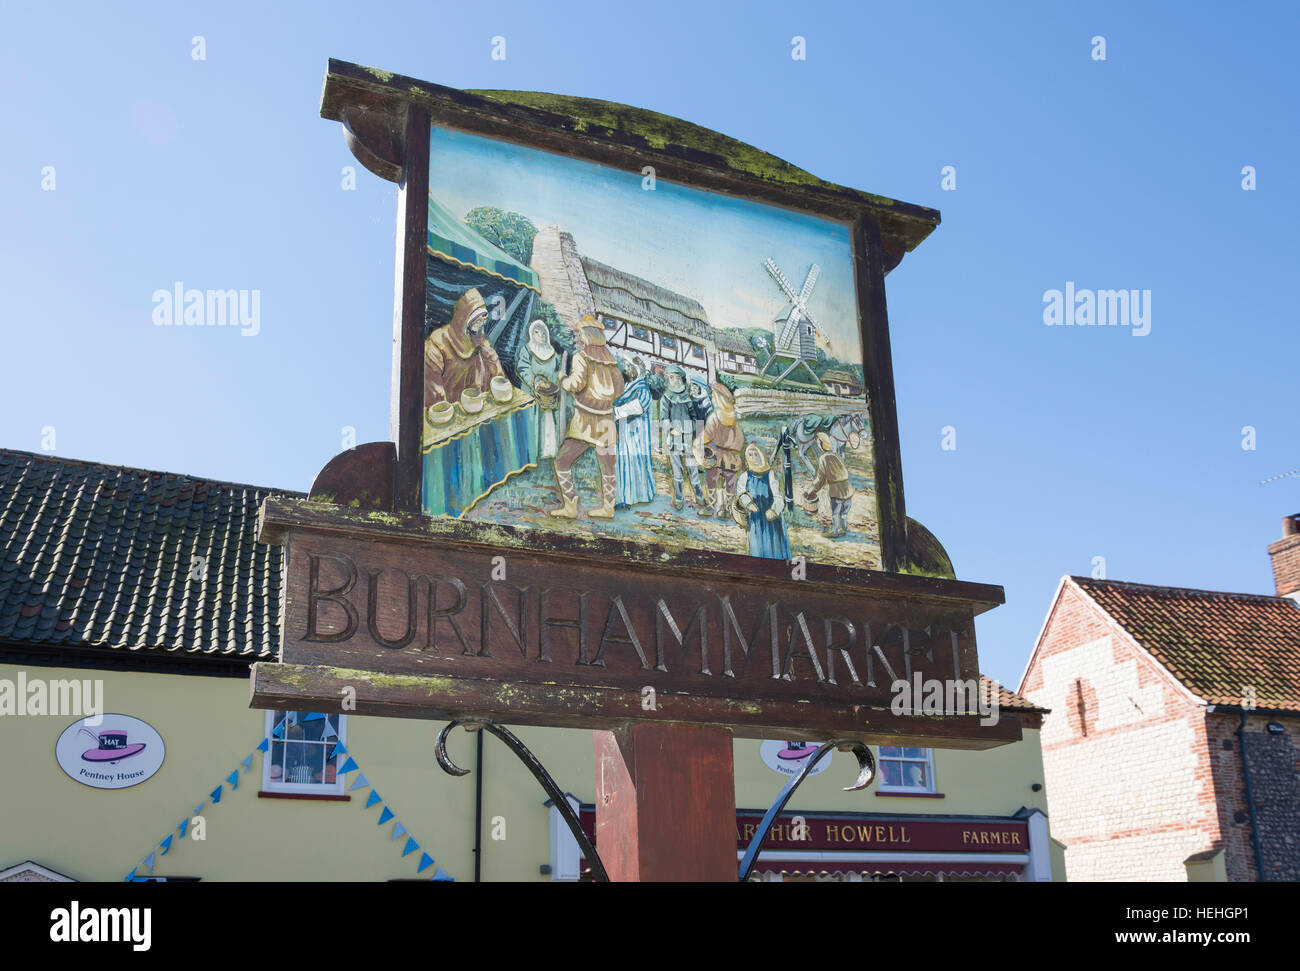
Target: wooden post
666,803
406,421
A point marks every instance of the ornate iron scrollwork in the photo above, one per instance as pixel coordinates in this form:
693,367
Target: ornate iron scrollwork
866,772
539,773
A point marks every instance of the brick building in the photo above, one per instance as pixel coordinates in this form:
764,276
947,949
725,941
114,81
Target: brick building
1156,694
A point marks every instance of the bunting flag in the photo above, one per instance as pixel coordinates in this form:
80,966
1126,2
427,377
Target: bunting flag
350,765
216,794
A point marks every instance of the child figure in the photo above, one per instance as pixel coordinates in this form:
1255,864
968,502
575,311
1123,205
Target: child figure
763,503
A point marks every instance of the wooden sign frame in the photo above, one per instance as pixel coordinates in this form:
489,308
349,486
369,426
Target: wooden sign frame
364,515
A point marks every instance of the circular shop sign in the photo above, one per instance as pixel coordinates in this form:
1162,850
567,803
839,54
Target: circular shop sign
788,758
110,751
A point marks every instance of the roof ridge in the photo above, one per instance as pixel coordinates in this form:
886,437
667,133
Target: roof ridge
1179,590
137,470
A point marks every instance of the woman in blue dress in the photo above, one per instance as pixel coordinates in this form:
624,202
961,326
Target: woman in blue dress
636,481
759,506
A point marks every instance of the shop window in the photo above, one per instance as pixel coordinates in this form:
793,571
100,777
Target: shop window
906,769
301,757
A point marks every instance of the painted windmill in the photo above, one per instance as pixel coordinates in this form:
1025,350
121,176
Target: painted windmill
794,330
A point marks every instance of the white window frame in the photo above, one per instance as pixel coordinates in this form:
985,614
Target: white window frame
927,761
334,788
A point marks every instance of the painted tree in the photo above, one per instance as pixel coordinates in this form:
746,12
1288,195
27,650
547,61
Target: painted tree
510,231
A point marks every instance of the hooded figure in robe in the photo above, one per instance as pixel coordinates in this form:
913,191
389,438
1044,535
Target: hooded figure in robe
458,356
636,481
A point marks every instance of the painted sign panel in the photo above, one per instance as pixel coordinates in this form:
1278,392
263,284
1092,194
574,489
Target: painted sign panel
607,354
110,751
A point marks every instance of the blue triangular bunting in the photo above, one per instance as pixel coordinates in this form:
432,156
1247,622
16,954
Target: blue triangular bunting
348,766
233,779
247,763
398,830
411,846
425,861
183,826
216,795
198,808
263,745
148,861
359,782
130,877
374,798
442,876
385,816
166,845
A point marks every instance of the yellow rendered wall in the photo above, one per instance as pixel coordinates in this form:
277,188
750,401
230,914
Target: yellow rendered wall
994,782
207,727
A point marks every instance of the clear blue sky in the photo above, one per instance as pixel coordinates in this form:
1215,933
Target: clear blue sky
1071,442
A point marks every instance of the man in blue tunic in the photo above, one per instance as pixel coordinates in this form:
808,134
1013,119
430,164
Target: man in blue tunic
681,406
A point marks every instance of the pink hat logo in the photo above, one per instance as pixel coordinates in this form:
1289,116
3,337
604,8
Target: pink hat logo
110,746
796,751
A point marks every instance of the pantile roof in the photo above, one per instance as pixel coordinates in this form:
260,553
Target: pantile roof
103,557
1223,647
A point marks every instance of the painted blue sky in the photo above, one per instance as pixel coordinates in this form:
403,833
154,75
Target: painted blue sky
701,244
1072,443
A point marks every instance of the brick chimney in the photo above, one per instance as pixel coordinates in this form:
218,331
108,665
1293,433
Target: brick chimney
1286,558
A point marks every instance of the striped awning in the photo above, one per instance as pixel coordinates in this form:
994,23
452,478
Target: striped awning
452,240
